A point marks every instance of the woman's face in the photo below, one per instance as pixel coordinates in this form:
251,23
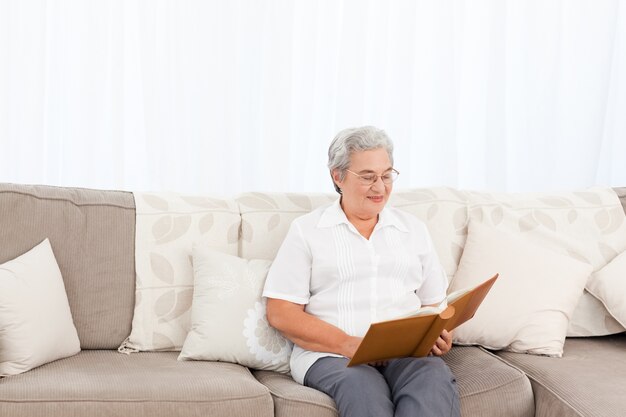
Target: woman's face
361,200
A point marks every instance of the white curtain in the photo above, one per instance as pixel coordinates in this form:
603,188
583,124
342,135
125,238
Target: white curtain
226,96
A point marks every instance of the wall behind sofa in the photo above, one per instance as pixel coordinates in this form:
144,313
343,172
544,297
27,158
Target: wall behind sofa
226,96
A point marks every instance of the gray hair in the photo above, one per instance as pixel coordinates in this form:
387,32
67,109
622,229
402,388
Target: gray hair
355,139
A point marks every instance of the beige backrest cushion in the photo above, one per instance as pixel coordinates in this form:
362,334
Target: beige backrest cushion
621,193
92,233
167,226
444,211
265,219
588,225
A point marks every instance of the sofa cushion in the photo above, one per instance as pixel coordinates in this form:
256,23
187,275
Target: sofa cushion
587,381
107,383
293,399
592,318
36,324
529,307
588,224
265,219
228,314
92,233
621,194
609,286
444,211
167,225
488,386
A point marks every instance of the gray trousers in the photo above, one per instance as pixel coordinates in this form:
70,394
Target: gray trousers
405,387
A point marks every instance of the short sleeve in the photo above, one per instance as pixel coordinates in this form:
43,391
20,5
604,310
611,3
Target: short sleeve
289,276
435,284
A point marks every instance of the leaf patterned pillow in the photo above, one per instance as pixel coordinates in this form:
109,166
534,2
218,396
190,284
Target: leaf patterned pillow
228,320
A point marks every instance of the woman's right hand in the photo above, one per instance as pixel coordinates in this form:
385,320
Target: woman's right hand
307,331
350,345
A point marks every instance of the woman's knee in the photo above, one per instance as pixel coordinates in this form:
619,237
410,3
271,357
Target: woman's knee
424,384
363,377
438,369
432,369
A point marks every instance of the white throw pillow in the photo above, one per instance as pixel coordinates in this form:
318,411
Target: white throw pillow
588,225
36,324
529,307
228,320
609,286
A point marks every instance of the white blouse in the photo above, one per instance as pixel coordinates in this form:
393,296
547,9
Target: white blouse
349,281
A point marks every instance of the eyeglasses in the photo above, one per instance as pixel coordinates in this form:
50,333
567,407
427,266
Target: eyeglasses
370,179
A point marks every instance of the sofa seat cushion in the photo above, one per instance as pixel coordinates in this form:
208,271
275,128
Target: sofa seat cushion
293,399
151,384
488,386
588,380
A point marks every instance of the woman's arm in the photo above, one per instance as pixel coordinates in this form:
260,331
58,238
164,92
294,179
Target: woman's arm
308,331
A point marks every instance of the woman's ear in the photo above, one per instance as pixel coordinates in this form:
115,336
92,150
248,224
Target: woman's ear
336,174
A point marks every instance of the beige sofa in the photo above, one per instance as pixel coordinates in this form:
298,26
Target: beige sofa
92,233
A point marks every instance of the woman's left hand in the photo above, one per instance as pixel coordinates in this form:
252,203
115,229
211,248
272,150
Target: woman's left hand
443,344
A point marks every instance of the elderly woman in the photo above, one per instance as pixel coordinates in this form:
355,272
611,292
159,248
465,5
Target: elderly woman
352,263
